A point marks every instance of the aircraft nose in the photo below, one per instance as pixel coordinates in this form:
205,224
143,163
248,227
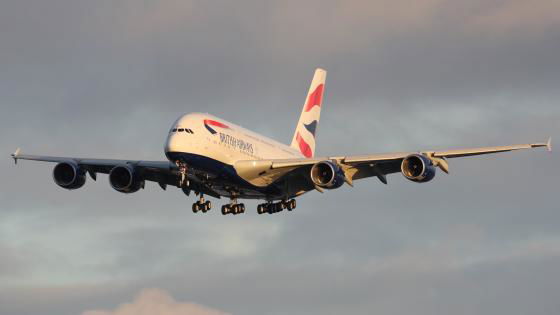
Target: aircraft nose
172,143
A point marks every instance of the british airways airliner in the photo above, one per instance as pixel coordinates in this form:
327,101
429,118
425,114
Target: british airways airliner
213,157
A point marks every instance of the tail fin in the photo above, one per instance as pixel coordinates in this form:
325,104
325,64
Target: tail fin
304,137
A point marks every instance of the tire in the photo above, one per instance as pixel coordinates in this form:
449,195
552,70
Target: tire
225,210
259,209
291,205
242,208
208,205
195,207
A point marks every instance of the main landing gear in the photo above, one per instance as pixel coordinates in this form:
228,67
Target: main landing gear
271,207
233,208
237,208
202,205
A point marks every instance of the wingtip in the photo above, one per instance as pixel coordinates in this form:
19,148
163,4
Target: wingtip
549,144
16,154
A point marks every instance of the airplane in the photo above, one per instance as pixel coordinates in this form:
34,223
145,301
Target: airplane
210,156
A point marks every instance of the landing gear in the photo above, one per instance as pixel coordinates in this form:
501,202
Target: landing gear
202,205
291,205
183,170
271,207
233,208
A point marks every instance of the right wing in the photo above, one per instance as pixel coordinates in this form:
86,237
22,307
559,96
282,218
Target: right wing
162,172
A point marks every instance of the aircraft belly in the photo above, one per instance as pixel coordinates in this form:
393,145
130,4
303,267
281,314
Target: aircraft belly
223,178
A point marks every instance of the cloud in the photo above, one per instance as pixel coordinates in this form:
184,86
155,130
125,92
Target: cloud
107,78
157,302
518,16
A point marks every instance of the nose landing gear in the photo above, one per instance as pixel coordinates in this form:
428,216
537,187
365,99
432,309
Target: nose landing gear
183,170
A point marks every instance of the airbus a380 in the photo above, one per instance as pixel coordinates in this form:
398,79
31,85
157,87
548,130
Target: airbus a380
211,156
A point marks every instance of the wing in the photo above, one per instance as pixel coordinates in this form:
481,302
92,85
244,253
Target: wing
157,171
362,166
162,172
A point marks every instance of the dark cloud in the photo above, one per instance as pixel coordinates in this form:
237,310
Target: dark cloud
106,79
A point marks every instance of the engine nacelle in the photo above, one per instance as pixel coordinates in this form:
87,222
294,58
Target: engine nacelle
418,168
69,175
125,179
327,174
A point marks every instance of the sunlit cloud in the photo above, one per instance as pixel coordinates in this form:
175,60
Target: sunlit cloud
157,302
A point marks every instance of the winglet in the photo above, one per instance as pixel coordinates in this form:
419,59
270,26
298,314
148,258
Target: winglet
16,154
549,144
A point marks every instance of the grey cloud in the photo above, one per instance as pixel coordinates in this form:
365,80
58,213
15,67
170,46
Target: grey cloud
106,79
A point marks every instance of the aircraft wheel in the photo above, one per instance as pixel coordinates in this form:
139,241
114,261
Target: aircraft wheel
208,205
235,209
291,205
225,209
241,208
195,207
260,209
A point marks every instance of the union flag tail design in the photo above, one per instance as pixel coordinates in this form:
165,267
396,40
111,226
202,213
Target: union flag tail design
304,137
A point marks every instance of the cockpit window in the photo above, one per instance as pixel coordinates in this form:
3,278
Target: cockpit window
180,129
174,130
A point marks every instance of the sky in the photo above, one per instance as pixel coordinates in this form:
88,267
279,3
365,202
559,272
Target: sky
108,78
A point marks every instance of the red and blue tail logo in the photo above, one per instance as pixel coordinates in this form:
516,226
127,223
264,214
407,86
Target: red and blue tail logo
209,122
315,98
304,148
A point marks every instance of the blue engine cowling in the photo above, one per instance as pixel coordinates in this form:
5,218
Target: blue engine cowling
69,175
125,179
418,168
327,174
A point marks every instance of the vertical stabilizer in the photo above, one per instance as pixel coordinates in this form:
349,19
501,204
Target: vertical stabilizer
306,129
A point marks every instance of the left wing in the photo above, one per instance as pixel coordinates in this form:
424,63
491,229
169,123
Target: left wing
362,166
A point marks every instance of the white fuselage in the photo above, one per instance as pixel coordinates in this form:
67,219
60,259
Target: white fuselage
223,141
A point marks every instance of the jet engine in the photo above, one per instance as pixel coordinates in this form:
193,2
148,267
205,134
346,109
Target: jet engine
418,168
125,179
327,174
69,175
